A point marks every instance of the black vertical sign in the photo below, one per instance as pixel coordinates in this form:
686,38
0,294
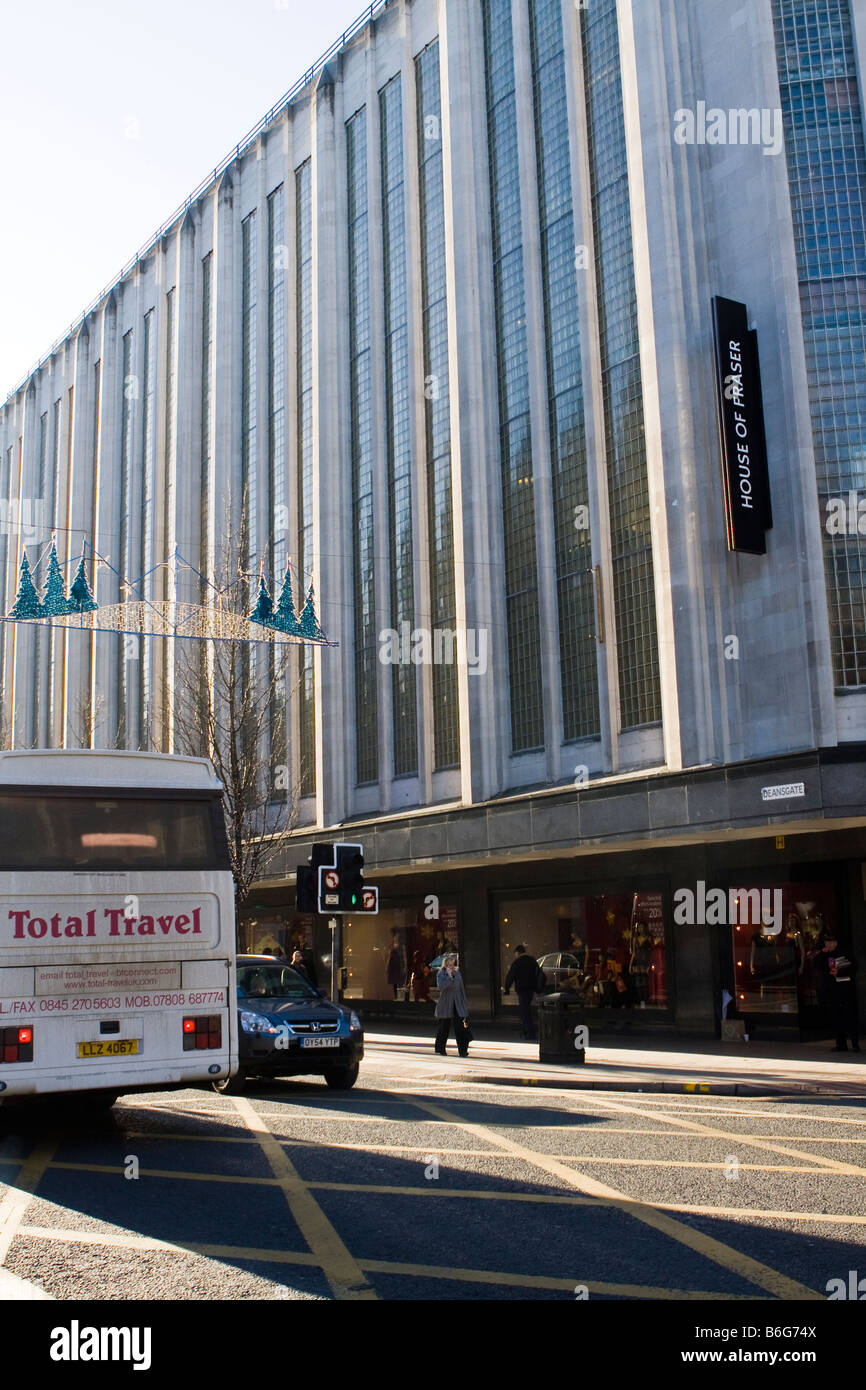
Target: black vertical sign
741,429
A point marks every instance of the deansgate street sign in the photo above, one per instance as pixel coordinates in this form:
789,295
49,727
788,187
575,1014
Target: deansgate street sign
786,791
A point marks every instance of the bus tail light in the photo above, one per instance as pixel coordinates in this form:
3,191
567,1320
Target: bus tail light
204,1031
16,1044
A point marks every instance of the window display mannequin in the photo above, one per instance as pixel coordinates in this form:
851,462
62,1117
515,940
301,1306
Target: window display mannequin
640,962
774,963
578,950
395,972
420,980
658,993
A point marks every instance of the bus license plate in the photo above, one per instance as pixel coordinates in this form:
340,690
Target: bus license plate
320,1042
121,1047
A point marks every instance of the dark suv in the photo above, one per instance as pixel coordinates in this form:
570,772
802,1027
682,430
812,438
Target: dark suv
287,1028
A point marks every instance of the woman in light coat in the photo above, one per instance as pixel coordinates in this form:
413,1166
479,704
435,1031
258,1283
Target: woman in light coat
451,1005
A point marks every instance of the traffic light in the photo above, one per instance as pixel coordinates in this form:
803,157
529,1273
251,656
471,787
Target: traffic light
340,880
306,899
307,879
350,862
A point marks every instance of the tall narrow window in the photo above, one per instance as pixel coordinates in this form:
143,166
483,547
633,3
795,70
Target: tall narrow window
360,405
206,439
40,659
167,527
515,442
249,293
277,264
404,724
170,414
128,568
573,551
148,503
628,492
304,354
88,712
446,740
54,634
823,125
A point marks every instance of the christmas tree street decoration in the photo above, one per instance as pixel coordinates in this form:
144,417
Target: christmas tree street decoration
284,615
54,601
81,599
309,623
27,603
263,612
222,616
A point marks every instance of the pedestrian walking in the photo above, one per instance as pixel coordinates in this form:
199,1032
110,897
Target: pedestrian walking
297,963
451,1004
524,976
836,991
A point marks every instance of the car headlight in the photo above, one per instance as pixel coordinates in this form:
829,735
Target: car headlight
354,1022
256,1023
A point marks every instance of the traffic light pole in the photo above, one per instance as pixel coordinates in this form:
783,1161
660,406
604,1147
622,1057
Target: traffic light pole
336,948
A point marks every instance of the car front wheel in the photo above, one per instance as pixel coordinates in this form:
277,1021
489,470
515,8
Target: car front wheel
342,1078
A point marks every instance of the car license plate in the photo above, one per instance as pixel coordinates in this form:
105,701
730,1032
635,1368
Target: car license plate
120,1047
320,1042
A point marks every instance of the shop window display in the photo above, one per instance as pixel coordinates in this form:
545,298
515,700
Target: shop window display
608,949
394,955
773,965
271,933
390,956
274,933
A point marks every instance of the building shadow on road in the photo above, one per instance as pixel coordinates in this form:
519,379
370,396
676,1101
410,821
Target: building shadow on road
426,1207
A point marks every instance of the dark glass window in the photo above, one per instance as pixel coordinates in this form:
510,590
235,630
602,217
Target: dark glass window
361,407
47,831
574,579
397,408
518,499
827,174
628,493
446,742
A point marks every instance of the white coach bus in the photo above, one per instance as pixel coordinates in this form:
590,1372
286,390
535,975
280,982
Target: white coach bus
117,925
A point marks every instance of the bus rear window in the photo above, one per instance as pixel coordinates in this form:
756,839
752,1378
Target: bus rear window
49,831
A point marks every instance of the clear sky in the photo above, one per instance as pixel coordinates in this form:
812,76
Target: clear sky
111,112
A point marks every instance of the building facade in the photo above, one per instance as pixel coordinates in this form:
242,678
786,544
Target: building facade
442,332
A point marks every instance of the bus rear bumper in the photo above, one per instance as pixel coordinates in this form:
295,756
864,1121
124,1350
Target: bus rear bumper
157,1078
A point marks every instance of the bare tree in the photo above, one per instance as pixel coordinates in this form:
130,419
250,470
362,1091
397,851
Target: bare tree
230,705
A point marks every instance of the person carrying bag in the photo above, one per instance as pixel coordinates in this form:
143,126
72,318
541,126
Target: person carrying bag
452,1004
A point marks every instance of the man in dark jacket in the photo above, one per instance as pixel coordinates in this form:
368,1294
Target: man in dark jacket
523,974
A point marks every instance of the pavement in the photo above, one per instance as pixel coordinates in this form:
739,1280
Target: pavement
15,1289
694,1065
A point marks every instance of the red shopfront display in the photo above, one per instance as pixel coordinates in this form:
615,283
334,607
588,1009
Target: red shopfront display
773,958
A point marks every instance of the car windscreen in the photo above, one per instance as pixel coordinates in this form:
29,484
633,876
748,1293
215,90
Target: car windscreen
272,982
99,831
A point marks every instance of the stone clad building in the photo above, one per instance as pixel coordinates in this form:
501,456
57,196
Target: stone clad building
443,326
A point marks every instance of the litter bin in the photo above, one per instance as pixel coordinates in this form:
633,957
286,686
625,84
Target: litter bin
561,1032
